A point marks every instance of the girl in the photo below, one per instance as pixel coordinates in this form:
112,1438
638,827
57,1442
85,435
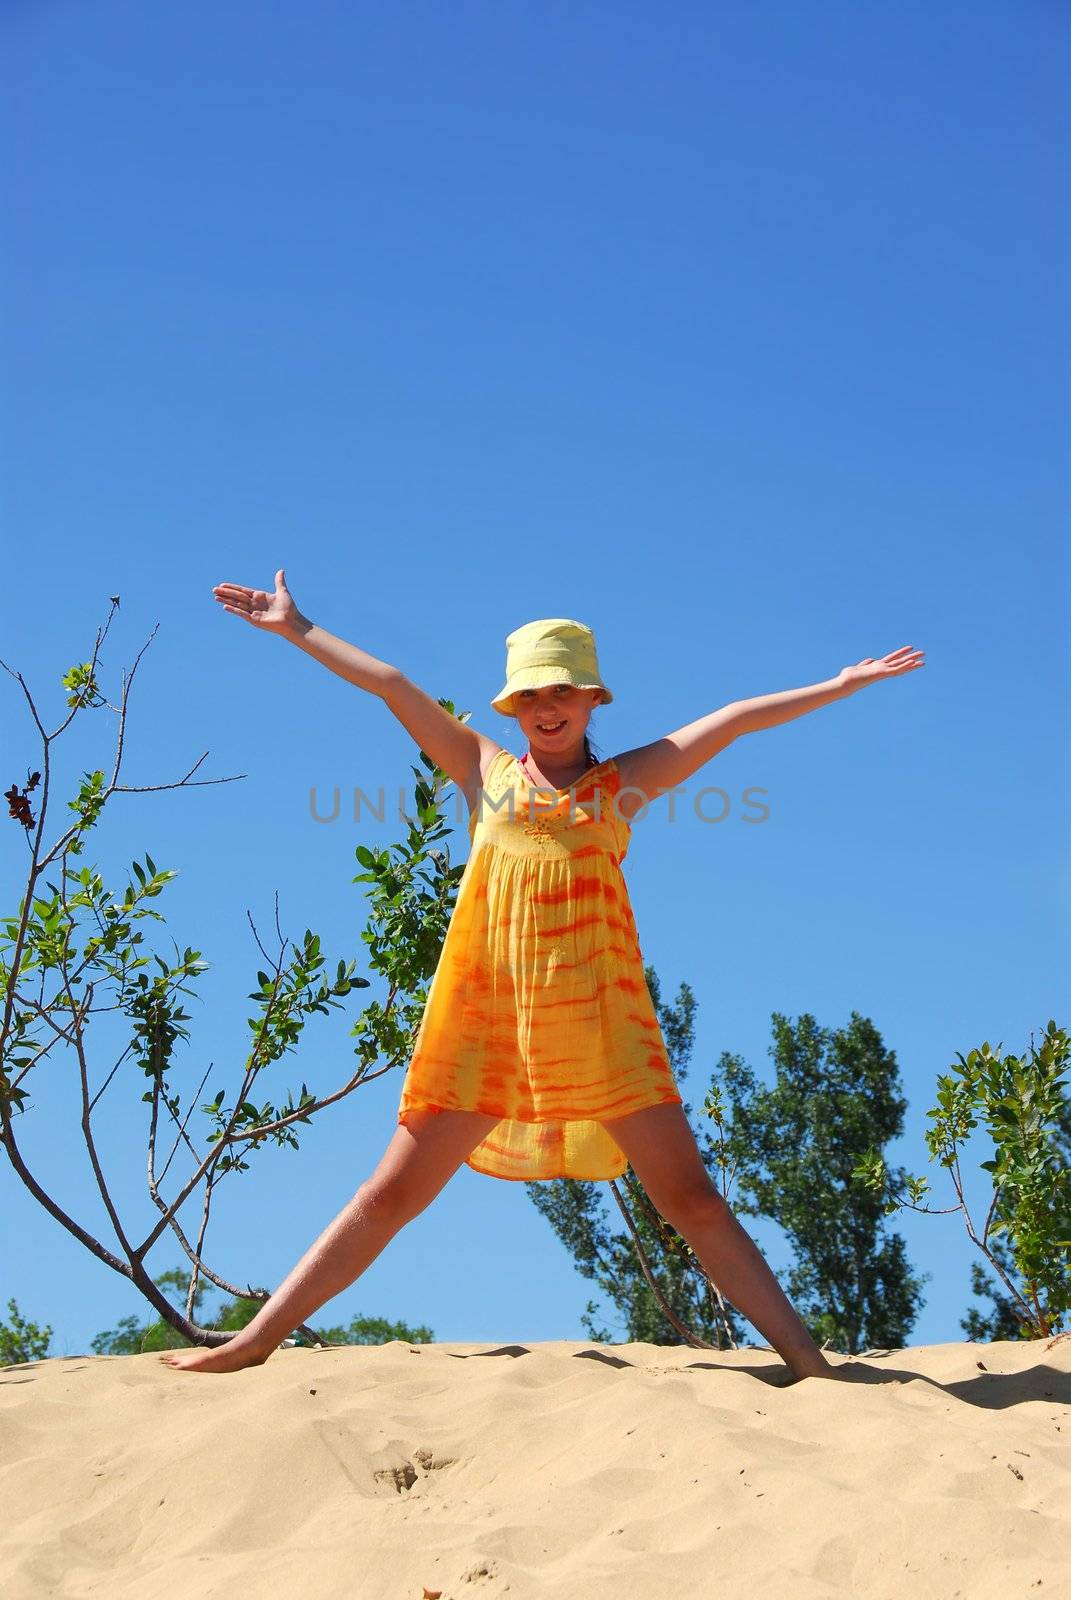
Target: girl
539,1054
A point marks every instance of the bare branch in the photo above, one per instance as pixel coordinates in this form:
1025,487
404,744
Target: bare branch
256,935
301,1112
195,1254
7,1135
667,1311
86,1121
181,1136
669,1242
21,681
180,783
127,681
210,1336
957,1181
59,1033
997,1188
122,1056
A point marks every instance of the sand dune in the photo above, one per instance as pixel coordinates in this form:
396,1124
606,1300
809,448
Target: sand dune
568,1470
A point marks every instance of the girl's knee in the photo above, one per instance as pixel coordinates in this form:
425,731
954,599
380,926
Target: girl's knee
700,1203
389,1200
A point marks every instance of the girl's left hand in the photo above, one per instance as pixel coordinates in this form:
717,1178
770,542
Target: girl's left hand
906,659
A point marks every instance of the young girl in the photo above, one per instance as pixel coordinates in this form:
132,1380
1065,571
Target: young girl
539,1054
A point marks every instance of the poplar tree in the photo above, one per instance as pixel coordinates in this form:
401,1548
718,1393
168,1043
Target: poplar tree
793,1145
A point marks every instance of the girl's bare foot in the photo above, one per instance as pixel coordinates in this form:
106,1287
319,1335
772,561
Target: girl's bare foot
229,1357
856,1372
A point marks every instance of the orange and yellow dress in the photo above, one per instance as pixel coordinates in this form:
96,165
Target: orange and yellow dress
538,1011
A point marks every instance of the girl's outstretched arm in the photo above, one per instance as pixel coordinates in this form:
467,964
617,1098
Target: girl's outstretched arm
452,745
662,765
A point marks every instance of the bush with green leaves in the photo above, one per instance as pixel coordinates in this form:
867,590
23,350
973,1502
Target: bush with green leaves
1021,1102
78,948
22,1341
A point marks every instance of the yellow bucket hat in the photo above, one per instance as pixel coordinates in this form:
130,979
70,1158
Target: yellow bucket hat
553,650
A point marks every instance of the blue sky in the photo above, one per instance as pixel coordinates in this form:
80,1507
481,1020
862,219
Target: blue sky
738,333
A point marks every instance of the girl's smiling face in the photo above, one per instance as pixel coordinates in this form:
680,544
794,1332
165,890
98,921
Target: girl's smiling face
554,720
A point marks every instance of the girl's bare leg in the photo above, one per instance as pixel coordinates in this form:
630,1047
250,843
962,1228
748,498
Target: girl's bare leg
417,1163
733,1261
662,1151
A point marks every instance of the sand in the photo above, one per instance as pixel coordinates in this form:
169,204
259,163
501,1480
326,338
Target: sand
572,1470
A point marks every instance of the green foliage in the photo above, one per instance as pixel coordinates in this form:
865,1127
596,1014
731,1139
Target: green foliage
1022,1104
81,681
792,1149
410,907
87,806
1002,1321
22,1341
374,1330
73,942
134,1338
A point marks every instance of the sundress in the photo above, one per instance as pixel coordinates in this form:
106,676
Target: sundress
538,1011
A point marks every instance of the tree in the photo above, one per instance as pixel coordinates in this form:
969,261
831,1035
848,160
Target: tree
78,951
794,1147
22,1341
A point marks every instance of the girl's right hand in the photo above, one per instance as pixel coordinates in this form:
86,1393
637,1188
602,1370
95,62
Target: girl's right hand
275,613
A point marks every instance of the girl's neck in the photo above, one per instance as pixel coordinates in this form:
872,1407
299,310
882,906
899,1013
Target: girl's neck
528,761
